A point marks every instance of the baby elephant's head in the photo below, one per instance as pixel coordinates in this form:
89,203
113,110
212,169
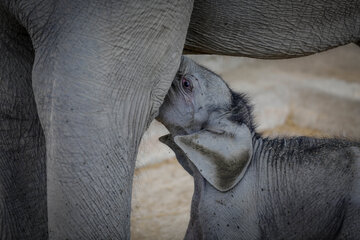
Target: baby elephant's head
210,125
195,94
197,98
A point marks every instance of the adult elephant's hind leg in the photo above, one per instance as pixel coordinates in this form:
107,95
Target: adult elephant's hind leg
23,212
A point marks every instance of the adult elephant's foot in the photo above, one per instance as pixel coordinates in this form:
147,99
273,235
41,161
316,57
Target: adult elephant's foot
23,212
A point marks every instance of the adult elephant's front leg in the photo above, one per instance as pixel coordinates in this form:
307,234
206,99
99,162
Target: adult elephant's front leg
100,74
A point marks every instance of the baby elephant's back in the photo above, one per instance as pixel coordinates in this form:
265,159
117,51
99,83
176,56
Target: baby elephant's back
351,225
313,192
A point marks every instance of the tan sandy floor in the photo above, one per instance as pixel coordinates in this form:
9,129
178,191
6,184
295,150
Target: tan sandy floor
161,201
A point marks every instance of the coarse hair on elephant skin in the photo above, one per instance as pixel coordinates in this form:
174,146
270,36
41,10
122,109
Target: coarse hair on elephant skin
250,187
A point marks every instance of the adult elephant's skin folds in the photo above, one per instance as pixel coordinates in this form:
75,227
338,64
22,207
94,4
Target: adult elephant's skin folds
100,73
81,81
268,29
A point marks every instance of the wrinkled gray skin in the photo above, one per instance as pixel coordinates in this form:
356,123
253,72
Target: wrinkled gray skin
248,187
81,80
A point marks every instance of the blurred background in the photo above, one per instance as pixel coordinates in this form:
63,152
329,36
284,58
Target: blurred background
317,95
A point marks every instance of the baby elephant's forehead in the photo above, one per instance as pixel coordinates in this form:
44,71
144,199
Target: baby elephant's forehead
203,75
213,84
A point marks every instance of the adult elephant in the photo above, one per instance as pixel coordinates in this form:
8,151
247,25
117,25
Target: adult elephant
81,80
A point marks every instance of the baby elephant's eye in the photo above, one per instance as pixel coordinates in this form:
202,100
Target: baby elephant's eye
186,84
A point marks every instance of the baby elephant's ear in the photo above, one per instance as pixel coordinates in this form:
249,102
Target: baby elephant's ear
221,155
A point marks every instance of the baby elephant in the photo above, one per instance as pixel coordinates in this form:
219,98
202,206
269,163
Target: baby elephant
249,187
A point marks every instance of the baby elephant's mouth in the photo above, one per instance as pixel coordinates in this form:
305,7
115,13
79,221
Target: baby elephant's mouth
177,130
174,130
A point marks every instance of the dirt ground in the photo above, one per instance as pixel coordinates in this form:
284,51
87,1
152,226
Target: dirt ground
315,96
162,201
